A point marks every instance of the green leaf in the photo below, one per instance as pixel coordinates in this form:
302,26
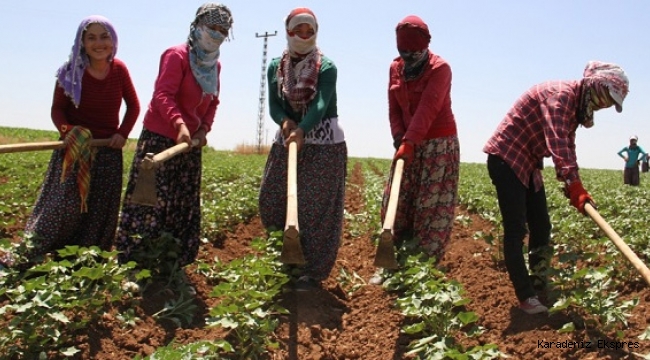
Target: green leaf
70,351
567,328
468,317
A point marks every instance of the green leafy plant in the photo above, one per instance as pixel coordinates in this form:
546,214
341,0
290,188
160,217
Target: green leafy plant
247,290
201,350
52,300
434,307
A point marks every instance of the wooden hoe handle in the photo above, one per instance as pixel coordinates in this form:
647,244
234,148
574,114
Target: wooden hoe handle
292,187
389,219
620,244
153,161
45,145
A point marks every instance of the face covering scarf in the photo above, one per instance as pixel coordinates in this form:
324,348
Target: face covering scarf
595,96
299,47
414,62
204,54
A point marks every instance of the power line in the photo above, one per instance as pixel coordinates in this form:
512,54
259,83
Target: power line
260,122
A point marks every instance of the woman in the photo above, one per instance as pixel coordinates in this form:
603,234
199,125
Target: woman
79,201
542,123
633,155
423,128
183,107
302,101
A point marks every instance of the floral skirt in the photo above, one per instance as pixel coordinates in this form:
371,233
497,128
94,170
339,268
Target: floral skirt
321,175
57,220
178,209
428,195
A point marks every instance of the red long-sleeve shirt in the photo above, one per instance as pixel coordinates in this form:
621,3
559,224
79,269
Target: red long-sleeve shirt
99,107
178,97
421,108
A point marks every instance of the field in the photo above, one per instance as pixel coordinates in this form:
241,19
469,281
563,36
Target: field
235,302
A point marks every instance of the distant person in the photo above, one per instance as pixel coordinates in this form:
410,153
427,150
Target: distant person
542,123
634,154
79,201
302,101
423,128
183,107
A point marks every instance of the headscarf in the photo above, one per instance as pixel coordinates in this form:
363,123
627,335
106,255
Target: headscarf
601,82
412,34
413,38
69,75
204,44
633,142
298,71
297,46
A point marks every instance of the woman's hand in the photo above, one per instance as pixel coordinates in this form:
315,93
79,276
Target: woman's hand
183,135
297,135
200,135
288,126
117,141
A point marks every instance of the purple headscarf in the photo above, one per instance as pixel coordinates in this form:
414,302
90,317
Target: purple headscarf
70,73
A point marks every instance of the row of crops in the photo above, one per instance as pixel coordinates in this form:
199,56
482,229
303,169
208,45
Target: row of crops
44,310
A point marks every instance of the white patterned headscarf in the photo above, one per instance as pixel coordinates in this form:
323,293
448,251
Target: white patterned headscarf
69,75
602,81
298,79
204,44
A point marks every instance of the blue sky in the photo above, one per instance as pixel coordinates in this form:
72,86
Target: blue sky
497,50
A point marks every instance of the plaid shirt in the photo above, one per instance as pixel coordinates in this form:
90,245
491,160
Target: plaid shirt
542,123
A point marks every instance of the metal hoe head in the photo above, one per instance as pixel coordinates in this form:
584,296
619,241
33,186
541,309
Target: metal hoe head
145,186
291,248
385,256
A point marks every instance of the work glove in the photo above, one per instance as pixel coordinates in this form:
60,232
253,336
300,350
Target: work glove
578,196
406,152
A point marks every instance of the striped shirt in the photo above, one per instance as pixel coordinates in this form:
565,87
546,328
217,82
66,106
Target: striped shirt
541,123
99,108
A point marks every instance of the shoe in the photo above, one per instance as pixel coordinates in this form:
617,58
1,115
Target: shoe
305,283
532,306
377,278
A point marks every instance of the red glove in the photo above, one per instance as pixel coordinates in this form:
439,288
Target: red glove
579,196
405,152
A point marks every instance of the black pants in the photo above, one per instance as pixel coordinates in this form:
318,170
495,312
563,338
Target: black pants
522,210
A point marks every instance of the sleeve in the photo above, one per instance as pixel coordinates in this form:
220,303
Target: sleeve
320,103
168,83
275,101
208,118
433,96
397,128
60,103
558,110
132,104
620,153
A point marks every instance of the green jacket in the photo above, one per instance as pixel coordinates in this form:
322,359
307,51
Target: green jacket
321,107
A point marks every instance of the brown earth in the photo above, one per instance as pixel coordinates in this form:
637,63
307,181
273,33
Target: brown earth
329,324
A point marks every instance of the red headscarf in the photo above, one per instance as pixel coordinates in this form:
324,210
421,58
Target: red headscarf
412,34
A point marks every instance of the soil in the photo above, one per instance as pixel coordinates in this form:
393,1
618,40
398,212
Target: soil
330,324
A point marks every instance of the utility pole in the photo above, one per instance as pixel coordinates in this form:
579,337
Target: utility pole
260,122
